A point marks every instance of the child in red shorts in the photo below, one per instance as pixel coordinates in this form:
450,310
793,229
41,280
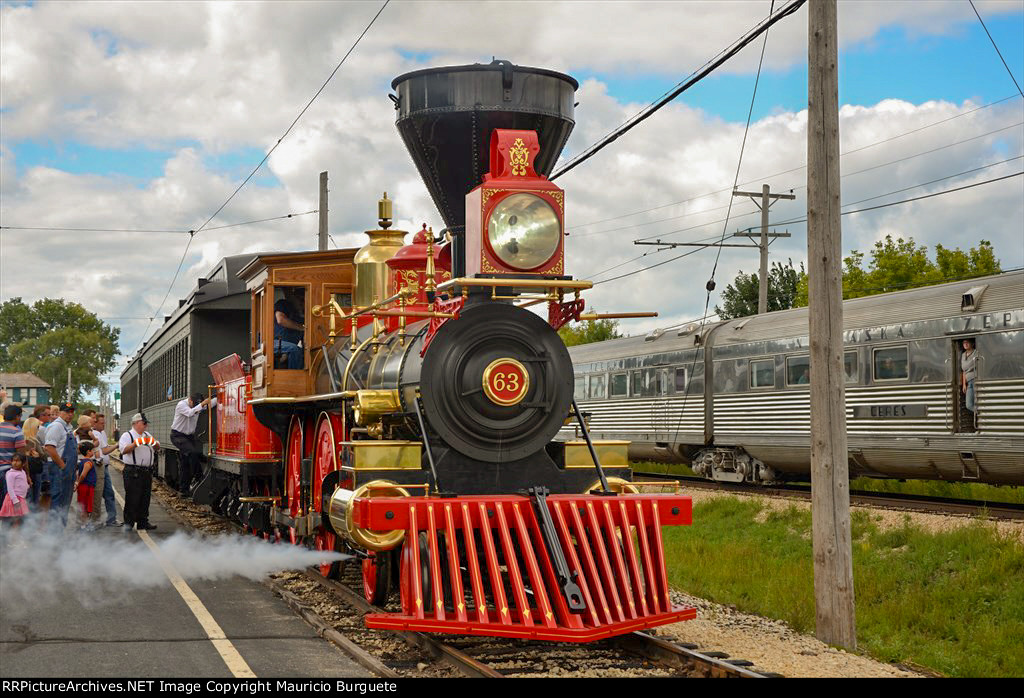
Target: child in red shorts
85,482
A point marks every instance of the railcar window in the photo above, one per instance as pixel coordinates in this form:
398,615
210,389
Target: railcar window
579,387
619,384
762,373
649,382
798,370
595,387
850,366
680,380
891,363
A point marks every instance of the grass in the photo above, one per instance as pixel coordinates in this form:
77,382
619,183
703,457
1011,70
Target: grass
929,488
951,601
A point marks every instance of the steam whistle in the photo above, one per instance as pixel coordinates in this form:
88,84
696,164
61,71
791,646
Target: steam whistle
430,284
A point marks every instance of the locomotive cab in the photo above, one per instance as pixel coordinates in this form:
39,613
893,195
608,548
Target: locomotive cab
292,284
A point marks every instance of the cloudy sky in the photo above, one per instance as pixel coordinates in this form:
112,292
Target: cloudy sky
146,116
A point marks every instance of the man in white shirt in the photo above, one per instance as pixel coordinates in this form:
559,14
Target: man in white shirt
183,436
139,458
99,435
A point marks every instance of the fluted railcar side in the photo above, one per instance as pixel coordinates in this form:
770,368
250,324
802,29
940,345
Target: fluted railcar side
905,413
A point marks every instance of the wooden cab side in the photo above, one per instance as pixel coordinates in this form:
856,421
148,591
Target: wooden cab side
292,283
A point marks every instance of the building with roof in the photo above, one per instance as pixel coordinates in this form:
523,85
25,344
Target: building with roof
27,389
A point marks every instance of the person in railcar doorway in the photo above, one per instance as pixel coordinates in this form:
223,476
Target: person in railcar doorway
138,451
183,436
968,374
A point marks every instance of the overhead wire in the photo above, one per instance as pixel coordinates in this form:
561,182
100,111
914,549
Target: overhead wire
193,233
789,171
1012,76
804,186
710,66
144,230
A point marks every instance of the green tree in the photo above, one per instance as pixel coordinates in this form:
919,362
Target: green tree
739,299
589,331
53,335
898,264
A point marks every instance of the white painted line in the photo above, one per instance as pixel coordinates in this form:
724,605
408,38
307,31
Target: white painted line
236,664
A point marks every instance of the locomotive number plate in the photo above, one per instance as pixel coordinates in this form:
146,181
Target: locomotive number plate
506,382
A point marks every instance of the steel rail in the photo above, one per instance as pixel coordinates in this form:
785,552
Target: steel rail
948,505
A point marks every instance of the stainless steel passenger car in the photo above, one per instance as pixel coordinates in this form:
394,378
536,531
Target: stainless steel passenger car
751,422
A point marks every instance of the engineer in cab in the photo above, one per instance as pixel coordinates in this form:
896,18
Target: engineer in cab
289,327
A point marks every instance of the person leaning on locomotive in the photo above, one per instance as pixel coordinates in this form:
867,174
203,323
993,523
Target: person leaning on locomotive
289,328
183,436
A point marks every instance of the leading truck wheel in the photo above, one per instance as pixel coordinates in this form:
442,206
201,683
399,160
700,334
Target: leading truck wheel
377,577
326,541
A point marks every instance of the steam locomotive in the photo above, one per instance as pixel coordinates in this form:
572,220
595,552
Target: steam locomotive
419,432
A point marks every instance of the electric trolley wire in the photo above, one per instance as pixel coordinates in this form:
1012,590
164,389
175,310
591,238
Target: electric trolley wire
192,233
1012,77
695,77
779,174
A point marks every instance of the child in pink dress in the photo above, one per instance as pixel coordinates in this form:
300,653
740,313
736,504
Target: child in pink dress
15,507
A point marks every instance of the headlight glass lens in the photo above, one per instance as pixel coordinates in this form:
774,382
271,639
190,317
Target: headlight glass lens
523,231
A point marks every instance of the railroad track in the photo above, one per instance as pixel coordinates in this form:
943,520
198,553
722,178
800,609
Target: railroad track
489,657
636,654
903,502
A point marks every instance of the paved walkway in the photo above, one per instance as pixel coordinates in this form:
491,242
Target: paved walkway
233,627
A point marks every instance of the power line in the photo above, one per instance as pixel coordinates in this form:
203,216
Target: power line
844,213
192,234
686,84
296,119
143,230
916,198
996,48
804,186
784,172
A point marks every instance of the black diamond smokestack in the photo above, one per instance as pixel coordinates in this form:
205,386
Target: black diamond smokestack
446,116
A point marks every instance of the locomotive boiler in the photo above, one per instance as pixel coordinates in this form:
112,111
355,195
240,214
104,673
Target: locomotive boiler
419,432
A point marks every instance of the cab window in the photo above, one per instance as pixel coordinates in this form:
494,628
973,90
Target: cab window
289,313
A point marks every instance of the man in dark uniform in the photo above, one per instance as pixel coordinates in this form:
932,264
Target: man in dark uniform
183,436
138,451
289,328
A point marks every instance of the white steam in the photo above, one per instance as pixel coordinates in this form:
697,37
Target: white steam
104,567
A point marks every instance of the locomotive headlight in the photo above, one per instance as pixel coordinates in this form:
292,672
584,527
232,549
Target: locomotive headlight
524,231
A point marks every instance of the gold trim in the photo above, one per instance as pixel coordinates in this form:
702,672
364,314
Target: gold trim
557,196
523,389
519,158
516,283
615,484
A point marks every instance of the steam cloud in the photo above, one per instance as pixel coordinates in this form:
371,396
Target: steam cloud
99,569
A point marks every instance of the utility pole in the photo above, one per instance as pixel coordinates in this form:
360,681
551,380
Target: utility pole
835,620
322,242
766,241
69,384
767,199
